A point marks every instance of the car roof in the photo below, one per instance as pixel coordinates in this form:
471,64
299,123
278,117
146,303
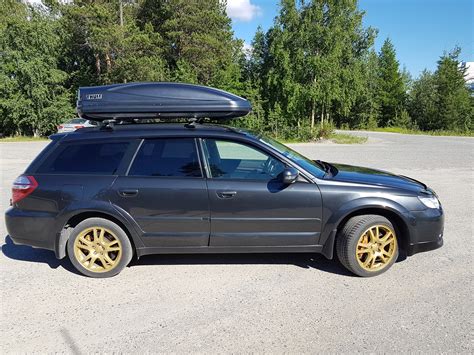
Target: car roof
141,130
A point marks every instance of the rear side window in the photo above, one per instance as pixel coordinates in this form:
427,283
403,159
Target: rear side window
85,158
173,157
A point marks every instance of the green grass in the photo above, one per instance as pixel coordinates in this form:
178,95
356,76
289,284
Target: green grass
413,131
23,139
338,138
342,138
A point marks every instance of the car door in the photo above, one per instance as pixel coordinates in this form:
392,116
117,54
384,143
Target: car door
165,193
249,204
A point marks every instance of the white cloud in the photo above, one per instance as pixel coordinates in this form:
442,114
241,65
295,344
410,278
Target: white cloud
242,10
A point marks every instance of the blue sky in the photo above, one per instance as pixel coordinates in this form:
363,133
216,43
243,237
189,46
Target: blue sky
421,30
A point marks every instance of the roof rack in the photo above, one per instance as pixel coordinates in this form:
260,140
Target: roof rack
132,102
110,124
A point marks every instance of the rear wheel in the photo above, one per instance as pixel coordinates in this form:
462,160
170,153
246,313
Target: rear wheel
367,245
99,248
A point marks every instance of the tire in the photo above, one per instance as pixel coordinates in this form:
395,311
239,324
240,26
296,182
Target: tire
362,251
99,248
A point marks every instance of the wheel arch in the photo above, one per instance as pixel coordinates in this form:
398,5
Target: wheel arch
388,209
401,228
74,220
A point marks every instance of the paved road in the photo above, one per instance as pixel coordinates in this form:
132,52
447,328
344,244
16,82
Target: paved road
257,303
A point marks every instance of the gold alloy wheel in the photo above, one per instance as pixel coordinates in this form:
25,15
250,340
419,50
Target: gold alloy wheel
376,248
98,249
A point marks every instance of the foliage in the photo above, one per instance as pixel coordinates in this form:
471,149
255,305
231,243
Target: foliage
391,88
442,101
33,98
314,69
454,110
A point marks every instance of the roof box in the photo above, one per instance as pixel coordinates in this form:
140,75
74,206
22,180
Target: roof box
158,100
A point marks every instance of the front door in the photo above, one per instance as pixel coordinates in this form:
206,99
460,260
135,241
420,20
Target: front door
166,194
250,206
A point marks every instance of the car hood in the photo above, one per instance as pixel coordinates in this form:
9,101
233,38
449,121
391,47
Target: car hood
362,175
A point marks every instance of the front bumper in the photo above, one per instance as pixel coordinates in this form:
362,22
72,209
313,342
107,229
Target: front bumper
424,246
426,230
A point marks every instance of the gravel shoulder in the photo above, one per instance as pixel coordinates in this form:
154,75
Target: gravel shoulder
283,303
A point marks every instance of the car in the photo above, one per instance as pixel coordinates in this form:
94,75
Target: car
125,189
75,123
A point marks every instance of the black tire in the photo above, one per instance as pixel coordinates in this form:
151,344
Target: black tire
347,245
113,235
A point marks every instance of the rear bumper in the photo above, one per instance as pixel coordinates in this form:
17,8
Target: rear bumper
426,231
36,229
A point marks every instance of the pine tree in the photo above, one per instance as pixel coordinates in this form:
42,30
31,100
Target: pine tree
391,88
422,102
453,103
99,49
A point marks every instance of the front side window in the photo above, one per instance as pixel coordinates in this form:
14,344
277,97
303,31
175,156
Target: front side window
172,157
85,158
233,160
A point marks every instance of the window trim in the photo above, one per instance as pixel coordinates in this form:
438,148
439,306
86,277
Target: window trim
142,141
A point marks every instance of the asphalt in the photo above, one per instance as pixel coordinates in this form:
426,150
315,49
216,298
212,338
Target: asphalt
283,303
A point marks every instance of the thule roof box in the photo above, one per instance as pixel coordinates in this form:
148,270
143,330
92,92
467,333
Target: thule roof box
158,100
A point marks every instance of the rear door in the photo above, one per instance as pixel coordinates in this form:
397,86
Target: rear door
250,206
165,192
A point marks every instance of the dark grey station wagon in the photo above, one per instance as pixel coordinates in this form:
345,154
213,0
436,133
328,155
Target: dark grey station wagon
126,188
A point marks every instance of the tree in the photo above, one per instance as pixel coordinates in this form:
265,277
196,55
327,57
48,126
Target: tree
315,60
391,88
453,103
33,98
366,110
422,102
99,49
198,40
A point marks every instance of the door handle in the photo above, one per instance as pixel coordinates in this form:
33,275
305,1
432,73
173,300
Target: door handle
226,194
128,192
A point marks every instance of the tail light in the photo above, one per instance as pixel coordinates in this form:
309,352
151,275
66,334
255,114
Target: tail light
77,127
22,187
60,126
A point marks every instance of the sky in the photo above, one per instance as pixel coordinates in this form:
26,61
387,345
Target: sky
421,30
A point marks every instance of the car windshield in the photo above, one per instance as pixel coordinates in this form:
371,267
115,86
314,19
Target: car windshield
301,160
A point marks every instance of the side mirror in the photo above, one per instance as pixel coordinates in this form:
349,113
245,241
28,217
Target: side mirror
289,175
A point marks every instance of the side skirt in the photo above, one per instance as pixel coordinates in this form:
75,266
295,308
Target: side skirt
231,250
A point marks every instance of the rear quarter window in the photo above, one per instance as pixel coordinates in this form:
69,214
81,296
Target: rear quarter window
85,158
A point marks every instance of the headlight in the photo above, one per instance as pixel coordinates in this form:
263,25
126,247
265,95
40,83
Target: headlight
430,202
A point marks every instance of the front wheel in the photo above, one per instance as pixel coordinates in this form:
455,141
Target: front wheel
99,248
367,245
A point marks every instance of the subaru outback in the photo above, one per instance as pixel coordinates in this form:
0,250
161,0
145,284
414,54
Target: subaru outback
105,194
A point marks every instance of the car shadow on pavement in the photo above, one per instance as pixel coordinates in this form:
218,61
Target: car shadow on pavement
302,260
26,253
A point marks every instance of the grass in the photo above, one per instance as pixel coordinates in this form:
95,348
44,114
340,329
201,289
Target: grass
23,139
342,138
403,130
337,138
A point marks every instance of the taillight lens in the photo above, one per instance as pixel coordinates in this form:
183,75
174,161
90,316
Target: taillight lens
22,187
77,127
60,126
